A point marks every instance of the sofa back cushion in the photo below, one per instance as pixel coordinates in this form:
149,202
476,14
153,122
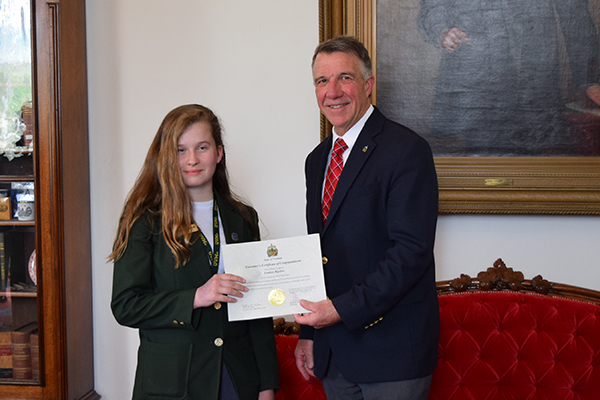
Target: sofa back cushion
515,345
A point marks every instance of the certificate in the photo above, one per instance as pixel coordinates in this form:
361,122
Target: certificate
278,273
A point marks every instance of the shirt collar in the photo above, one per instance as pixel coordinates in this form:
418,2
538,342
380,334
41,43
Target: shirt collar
352,134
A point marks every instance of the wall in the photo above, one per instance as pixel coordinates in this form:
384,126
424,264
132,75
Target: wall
250,62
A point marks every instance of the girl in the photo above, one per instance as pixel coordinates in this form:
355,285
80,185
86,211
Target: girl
168,271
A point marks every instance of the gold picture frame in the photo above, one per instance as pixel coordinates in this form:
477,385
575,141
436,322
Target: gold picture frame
482,185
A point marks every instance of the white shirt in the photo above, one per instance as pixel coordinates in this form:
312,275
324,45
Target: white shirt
350,138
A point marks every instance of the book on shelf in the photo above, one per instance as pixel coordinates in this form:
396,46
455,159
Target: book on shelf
5,299
35,355
21,351
6,367
14,255
3,265
6,314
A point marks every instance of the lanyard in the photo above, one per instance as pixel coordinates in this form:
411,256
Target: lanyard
213,257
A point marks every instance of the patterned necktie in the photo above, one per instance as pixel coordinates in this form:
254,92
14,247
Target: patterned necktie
334,171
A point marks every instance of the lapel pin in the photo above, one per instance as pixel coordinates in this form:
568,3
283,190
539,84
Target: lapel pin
365,149
234,236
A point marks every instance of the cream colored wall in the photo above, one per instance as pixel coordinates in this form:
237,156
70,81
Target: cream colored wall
250,62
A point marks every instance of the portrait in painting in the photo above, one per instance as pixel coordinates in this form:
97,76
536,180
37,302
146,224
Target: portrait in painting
493,78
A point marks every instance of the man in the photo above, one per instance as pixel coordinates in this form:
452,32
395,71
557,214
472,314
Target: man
376,336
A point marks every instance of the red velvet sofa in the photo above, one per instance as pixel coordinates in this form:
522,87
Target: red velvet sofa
502,337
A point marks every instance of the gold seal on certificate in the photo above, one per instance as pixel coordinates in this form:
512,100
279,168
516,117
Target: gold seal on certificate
277,297
278,273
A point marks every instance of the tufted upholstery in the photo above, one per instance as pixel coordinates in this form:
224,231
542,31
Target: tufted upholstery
292,384
507,342
515,345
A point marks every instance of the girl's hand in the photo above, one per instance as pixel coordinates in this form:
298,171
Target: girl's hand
220,288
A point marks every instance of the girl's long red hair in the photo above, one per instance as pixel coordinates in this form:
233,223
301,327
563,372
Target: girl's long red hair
159,188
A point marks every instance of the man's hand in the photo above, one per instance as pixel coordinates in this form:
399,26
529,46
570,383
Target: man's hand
266,395
323,314
305,361
219,288
454,38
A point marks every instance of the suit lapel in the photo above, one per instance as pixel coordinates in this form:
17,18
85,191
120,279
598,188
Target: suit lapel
317,190
361,151
199,259
233,223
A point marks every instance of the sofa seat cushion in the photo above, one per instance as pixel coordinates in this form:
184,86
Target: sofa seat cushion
514,345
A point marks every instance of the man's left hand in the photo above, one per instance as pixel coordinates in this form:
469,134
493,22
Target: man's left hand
323,314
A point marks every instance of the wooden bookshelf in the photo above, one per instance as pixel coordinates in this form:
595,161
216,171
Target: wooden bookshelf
58,166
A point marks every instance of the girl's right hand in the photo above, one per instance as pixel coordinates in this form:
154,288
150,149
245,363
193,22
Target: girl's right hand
220,288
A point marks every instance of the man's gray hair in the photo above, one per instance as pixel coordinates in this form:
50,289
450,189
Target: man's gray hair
349,45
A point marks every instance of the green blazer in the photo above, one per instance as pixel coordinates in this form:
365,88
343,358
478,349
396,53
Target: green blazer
181,349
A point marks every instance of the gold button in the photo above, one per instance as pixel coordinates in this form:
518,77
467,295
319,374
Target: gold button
217,306
175,322
218,342
325,260
181,323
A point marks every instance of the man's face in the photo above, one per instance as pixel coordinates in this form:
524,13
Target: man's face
342,92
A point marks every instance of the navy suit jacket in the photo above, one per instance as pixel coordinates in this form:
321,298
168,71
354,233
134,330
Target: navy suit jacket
378,259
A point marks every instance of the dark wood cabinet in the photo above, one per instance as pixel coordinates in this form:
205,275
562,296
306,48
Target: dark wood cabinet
48,258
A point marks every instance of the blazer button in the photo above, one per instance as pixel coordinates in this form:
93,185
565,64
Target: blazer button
325,260
175,322
218,342
217,306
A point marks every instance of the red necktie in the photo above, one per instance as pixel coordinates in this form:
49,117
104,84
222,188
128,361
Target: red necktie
336,165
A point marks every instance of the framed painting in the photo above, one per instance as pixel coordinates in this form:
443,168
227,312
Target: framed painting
507,94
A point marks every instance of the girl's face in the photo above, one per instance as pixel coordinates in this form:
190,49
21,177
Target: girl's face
198,159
